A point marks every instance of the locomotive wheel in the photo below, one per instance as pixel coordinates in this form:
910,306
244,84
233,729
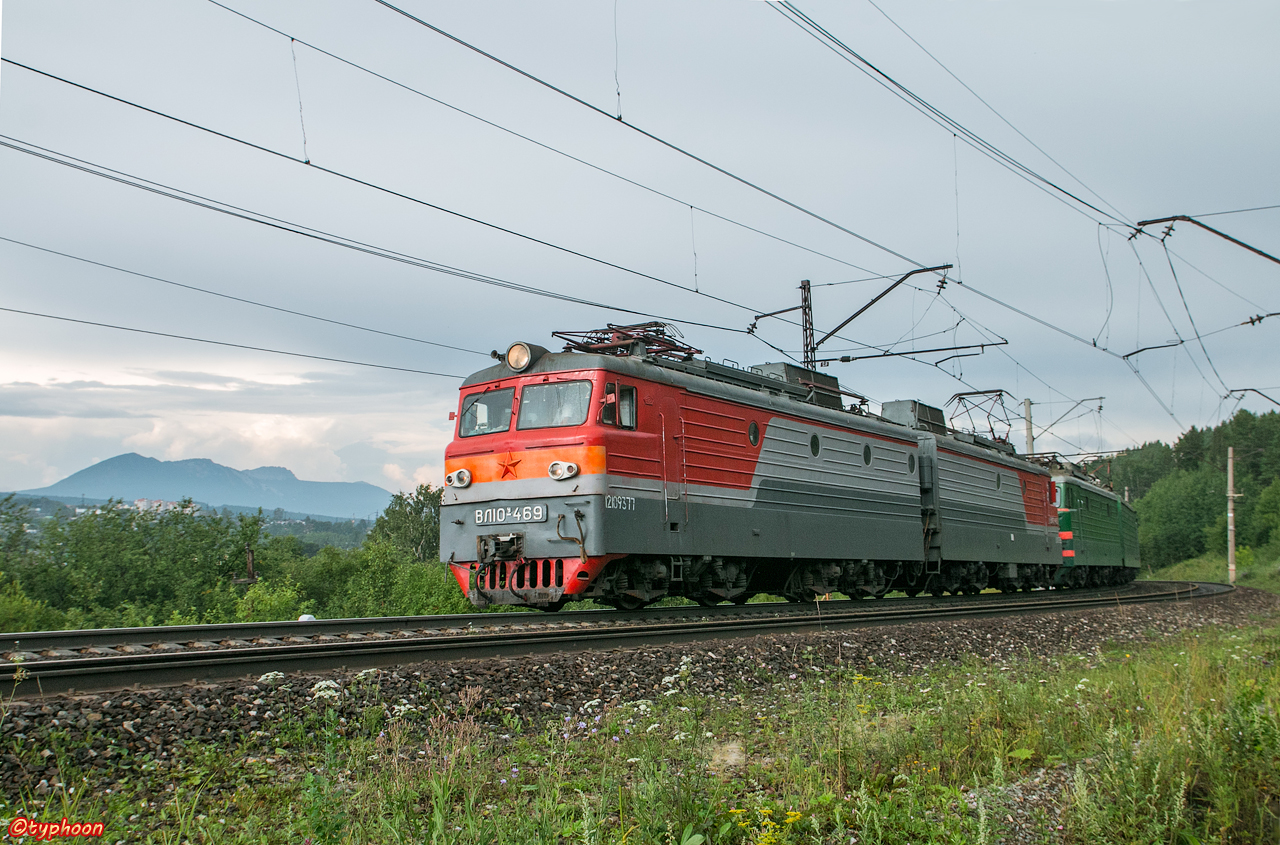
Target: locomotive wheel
706,601
629,603
912,592
554,607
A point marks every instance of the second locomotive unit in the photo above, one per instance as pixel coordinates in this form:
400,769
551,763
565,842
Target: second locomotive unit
626,470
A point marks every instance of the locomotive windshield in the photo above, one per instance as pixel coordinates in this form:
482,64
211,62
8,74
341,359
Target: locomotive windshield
556,405
486,413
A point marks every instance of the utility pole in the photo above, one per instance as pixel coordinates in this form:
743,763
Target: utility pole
806,320
1230,515
1031,437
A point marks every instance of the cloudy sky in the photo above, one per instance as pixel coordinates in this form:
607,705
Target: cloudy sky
1114,111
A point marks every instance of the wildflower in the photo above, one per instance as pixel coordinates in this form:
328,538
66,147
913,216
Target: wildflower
325,689
615,739
271,678
653,727
792,676
504,780
633,759
581,725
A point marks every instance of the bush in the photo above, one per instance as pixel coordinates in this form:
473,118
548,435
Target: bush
19,612
268,601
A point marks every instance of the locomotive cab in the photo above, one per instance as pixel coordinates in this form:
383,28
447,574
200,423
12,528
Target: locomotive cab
521,514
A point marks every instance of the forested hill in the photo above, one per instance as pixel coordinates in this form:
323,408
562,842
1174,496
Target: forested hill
1181,490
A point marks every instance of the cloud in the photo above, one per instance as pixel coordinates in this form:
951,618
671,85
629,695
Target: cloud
322,426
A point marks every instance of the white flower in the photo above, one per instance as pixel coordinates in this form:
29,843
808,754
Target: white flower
671,692
592,703
325,689
367,673
271,678
653,727
680,735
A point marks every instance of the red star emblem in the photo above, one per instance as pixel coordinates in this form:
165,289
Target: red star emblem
508,466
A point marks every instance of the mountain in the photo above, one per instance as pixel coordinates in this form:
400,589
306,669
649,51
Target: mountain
132,477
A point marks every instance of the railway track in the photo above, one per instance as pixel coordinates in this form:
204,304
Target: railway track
81,661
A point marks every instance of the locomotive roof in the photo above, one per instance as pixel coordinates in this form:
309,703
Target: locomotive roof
751,388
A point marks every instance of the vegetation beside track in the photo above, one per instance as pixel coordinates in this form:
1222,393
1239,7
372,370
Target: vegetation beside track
116,566
1252,570
1174,742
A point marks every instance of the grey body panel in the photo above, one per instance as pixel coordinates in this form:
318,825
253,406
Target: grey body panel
980,521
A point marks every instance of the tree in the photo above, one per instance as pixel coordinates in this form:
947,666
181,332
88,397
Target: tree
411,523
1177,514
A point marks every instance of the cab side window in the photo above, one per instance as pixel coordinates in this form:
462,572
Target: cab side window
619,408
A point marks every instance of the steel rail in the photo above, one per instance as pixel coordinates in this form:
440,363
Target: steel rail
116,672
42,641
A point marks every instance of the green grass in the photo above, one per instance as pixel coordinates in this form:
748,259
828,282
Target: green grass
1260,570
1176,743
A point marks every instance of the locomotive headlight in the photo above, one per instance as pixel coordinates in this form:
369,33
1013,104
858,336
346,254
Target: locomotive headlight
458,478
519,356
560,470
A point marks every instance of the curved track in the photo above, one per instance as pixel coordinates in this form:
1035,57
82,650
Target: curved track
80,661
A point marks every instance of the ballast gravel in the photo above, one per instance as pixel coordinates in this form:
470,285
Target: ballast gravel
112,734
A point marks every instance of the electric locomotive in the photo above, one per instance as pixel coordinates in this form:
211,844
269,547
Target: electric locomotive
625,469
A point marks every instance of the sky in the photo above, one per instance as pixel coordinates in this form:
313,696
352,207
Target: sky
365,189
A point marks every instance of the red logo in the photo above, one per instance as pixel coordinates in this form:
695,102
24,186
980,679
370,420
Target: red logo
44,831
508,466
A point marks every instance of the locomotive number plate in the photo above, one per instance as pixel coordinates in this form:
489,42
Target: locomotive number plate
507,514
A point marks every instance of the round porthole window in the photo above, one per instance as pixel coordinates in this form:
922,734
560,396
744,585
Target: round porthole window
753,434
814,445
911,463
866,455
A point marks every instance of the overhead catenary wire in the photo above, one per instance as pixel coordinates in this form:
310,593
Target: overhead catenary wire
717,168
1194,329
993,109
398,194
549,148
734,176
228,344
823,36
668,144
241,299
200,201
434,266
1236,211
367,184
1172,325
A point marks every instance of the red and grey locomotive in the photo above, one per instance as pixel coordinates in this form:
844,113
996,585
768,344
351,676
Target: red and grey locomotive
626,470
